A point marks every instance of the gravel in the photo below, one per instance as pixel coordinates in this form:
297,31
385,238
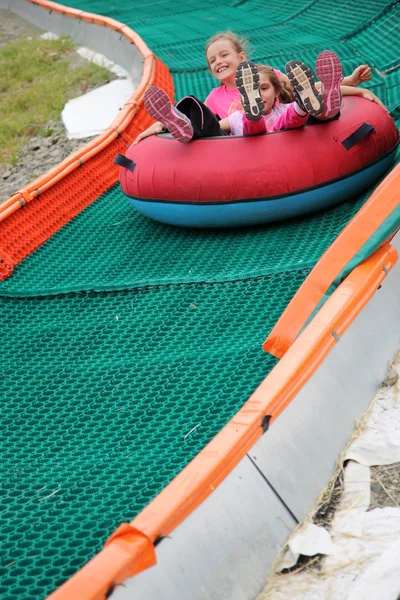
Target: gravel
37,157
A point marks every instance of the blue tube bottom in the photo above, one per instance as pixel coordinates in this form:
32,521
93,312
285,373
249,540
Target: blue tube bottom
249,212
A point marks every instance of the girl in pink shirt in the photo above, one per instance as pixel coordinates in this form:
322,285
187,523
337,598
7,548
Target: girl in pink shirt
190,118
224,52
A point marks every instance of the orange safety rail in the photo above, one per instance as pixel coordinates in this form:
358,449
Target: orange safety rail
131,548
53,199
360,229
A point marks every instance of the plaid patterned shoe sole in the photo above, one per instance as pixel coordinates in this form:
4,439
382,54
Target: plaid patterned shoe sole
302,82
248,83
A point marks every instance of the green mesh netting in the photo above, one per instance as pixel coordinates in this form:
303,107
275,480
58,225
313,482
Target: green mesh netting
109,246
119,335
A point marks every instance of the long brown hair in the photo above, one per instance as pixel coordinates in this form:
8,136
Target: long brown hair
284,90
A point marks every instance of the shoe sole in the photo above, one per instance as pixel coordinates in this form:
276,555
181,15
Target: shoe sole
248,83
159,107
329,72
302,80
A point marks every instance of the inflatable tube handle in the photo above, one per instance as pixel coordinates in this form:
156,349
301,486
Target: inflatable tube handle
122,161
359,134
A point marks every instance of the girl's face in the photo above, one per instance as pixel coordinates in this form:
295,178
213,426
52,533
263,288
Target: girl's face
268,93
223,61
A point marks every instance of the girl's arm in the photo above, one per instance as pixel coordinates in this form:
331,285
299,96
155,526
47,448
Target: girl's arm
360,75
354,91
157,127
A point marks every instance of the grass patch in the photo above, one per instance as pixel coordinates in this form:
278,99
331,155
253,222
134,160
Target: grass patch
36,79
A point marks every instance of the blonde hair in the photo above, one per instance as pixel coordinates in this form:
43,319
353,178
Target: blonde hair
281,87
238,44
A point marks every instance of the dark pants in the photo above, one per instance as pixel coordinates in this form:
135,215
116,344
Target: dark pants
203,120
206,124
313,121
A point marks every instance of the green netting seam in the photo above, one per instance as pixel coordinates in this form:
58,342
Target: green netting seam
369,22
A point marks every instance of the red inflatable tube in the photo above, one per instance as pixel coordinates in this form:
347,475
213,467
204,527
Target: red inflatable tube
234,168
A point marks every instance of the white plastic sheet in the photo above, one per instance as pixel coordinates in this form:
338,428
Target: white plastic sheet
362,555
94,112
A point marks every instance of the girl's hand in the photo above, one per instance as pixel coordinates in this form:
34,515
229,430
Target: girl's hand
152,130
360,75
368,95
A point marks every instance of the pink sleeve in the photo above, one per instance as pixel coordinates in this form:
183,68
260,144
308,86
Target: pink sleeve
289,119
209,101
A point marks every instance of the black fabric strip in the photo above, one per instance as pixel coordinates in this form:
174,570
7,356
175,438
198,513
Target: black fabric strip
358,135
265,423
122,161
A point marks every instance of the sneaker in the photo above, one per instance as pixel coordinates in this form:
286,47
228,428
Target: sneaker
329,72
160,107
248,83
303,84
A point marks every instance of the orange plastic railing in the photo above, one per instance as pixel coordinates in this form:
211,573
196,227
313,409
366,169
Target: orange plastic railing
53,199
364,224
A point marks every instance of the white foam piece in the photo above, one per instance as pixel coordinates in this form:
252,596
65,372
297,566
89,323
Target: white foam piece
92,113
94,57
102,61
309,541
50,36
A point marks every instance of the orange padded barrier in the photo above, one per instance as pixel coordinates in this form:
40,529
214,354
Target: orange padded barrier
126,553
53,199
360,229
220,456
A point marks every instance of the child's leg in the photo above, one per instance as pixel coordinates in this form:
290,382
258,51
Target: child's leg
160,107
248,84
253,127
302,82
293,118
329,72
203,120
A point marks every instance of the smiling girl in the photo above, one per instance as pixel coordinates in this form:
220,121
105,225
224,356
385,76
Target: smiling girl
224,52
191,119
